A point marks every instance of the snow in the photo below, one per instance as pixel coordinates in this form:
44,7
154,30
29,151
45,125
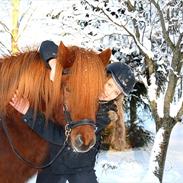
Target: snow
36,25
152,88
147,51
153,165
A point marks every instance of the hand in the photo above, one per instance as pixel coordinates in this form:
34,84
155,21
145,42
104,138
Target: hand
20,104
106,113
113,116
48,52
105,107
52,64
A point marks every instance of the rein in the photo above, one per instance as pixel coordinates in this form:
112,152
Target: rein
21,157
68,128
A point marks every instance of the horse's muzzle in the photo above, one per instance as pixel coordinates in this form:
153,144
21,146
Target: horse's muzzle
80,146
82,134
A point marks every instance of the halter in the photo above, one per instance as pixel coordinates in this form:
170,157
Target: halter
73,124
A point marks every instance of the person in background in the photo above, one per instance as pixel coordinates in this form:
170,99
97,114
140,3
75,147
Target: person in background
73,166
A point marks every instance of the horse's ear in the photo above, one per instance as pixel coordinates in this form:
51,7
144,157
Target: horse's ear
64,55
105,56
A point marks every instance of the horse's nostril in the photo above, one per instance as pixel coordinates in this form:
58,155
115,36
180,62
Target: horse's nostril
79,140
79,144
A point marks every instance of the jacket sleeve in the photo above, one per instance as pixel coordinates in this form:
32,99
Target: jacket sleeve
51,132
102,116
102,122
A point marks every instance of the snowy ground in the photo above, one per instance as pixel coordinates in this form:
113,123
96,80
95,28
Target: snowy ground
131,166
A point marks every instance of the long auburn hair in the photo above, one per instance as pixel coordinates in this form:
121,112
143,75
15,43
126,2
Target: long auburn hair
87,77
27,73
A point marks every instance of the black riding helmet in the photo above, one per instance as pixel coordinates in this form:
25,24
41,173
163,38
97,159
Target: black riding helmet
122,75
120,72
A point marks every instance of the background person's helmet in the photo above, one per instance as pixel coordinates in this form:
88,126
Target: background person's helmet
123,75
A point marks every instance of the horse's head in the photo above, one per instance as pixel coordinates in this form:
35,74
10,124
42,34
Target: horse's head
82,84
79,88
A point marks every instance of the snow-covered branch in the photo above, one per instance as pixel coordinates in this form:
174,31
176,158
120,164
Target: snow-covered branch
152,89
179,40
162,21
147,53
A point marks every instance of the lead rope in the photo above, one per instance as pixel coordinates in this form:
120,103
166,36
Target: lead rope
20,156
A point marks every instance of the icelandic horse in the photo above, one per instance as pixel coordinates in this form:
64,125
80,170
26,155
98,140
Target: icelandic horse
27,73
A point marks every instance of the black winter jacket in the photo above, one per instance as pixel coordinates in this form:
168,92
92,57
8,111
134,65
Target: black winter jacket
68,162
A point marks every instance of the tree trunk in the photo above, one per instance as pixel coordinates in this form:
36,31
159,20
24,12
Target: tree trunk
168,124
133,110
15,26
132,122
159,150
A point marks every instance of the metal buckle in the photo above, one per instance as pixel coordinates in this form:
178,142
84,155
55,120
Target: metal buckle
67,131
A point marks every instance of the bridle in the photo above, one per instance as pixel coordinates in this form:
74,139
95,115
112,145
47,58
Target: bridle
68,128
73,124
70,124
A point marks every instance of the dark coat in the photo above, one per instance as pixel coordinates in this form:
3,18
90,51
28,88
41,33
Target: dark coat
68,162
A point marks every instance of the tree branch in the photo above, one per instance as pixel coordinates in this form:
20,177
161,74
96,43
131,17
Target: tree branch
139,45
179,40
162,21
173,78
148,59
5,48
180,113
6,29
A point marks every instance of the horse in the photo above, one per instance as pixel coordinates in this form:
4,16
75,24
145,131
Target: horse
79,79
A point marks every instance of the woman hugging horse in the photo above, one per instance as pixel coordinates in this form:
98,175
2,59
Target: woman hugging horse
76,162
21,150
